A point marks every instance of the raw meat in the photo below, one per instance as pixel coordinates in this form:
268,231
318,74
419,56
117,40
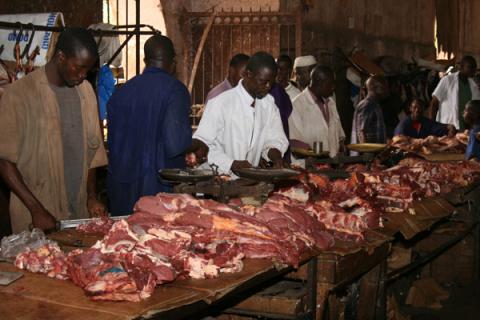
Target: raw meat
97,225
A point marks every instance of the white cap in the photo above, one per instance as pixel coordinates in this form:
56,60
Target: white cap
304,61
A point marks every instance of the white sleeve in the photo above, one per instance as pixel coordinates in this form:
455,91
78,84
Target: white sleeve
295,125
209,130
440,91
276,138
341,133
210,124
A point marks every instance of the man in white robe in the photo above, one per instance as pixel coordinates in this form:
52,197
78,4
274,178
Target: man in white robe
315,117
243,125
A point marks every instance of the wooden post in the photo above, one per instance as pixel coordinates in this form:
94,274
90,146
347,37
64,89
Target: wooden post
198,55
298,33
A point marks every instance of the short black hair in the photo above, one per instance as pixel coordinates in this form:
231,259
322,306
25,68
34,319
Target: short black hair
72,40
159,47
469,60
260,60
239,59
420,102
286,58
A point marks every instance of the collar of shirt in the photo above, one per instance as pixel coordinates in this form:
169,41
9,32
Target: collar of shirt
154,70
246,98
314,99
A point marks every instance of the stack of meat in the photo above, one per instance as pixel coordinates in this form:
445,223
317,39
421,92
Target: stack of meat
177,236
413,179
432,144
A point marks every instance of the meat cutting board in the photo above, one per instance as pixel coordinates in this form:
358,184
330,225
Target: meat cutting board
8,277
72,238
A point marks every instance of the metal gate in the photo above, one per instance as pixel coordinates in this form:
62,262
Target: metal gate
230,33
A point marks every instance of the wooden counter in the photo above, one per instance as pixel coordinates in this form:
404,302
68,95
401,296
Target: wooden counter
35,296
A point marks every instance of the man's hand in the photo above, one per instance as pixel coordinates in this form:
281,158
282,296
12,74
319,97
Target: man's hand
276,157
96,208
196,154
240,164
43,220
452,131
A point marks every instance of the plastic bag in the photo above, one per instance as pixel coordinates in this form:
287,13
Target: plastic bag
14,244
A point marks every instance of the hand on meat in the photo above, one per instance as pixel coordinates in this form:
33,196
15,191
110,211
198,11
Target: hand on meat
43,220
240,164
96,208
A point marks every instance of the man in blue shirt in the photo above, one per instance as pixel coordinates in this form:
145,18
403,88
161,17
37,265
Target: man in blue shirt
148,128
416,125
471,115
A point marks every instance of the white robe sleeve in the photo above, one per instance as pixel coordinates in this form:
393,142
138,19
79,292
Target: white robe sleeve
210,124
441,91
276,138
295,125
208,131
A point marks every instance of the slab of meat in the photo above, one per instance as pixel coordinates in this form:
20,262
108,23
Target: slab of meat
97,225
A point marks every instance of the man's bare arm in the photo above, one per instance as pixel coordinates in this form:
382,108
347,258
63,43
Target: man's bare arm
41,218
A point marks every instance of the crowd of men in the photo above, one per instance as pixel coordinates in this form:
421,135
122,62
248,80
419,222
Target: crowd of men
51,141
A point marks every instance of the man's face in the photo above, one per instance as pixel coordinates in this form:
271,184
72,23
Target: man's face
237,73
467,70
259,83
303,76
416,111
73,70
284,71
327,87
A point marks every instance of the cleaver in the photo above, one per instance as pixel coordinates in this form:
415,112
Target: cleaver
8,277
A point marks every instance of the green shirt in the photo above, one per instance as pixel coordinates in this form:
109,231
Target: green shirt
464,95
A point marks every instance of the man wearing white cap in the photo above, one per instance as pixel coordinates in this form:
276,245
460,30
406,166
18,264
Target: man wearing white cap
303,66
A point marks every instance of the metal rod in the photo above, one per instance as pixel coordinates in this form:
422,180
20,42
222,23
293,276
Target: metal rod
137,40
125,42
95,32
126,49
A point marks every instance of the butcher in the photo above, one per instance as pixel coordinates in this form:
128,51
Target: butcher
453,92
315,116
368,123
51,141
416,125
471,117
149,128
243,125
